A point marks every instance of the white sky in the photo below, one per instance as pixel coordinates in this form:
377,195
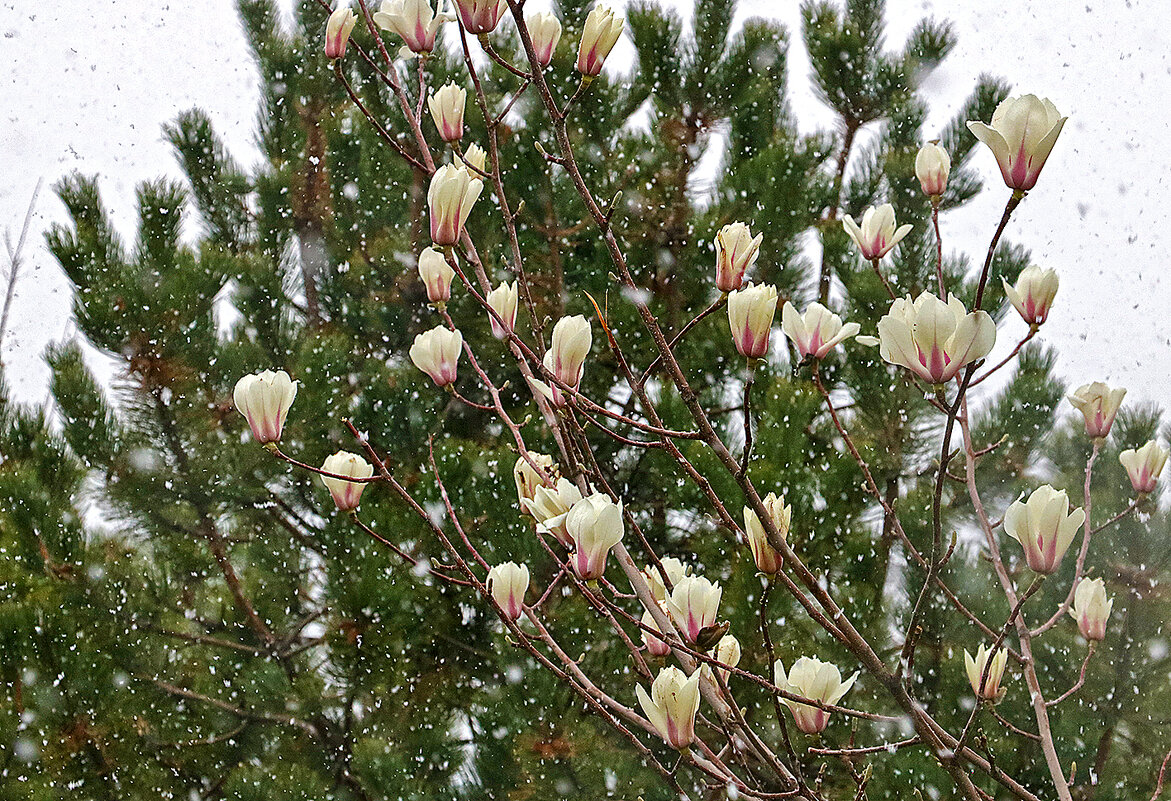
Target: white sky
90,84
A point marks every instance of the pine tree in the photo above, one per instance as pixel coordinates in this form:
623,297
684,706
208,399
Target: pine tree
185,616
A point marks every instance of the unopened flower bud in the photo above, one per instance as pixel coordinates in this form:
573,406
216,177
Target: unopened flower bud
436,274
414,21
816,680
654,645
988,688
595,525
508,583
566,357
727,651
480,16
545,30
1033,294
750,315
346,494
1021,137
671,705
475,156
1044,527
1098,404
877,235
1091,608
1144,465
450,197
503,301
264,400
736,251
447,110
693,605
932,166
767,558
436,353
602,29
337,32
527,478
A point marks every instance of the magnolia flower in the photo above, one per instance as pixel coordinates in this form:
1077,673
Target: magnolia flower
450,197
816,680
528,479
736,251
932,166
475,156
264,400
1091,608
503,300
750,315
671,705
693,605
877,235
509,582
594,524
815,333
767,559
566,357
727,650
346,494
337,32
654,645
1021,136
436,353
481,16
676,572
436,274
1098,404
1044,527
975,669
934,339
545,30
1144,465
1033,294
447,110
550,506
602,29
414,21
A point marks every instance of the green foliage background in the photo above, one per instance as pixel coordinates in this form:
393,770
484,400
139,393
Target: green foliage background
129,667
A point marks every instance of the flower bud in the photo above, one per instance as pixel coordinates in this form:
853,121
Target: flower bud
481,16
1144,465
815,333
346,494
436,274
932,166
508,583
933,339
1098,404
436,353
990,689
337,32
1021,136
550,506
877,235
816,680
450,197
545,30
672,705
602,29
654,645
1091,608
503,301
527,479
1044,527
594,525
750,315
693,605
736,251
264,400
572,341
767,559
1033,294
414,21
447,110
475,156
727,651
676,572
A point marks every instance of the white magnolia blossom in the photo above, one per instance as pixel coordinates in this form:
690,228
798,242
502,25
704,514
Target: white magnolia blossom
527,479
1098,405
346,494
1143,466
750,316
728,652
933,339
450,197
436,275
481,16
264,399
1021,136
816,680
693,605
447,110
550,506
594,525
736,251
602,29
1033,293
436,353
545,31
766,557
676,572
509,582
817,332
1091,608
671,705
572,340
986,688
877,235
475,156
1044,526
932,167
337,31
656,646
414,21
503,300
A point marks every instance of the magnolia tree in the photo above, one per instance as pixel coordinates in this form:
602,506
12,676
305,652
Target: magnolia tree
854,558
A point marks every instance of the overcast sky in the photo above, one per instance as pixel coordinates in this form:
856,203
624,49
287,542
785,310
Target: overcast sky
90,83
